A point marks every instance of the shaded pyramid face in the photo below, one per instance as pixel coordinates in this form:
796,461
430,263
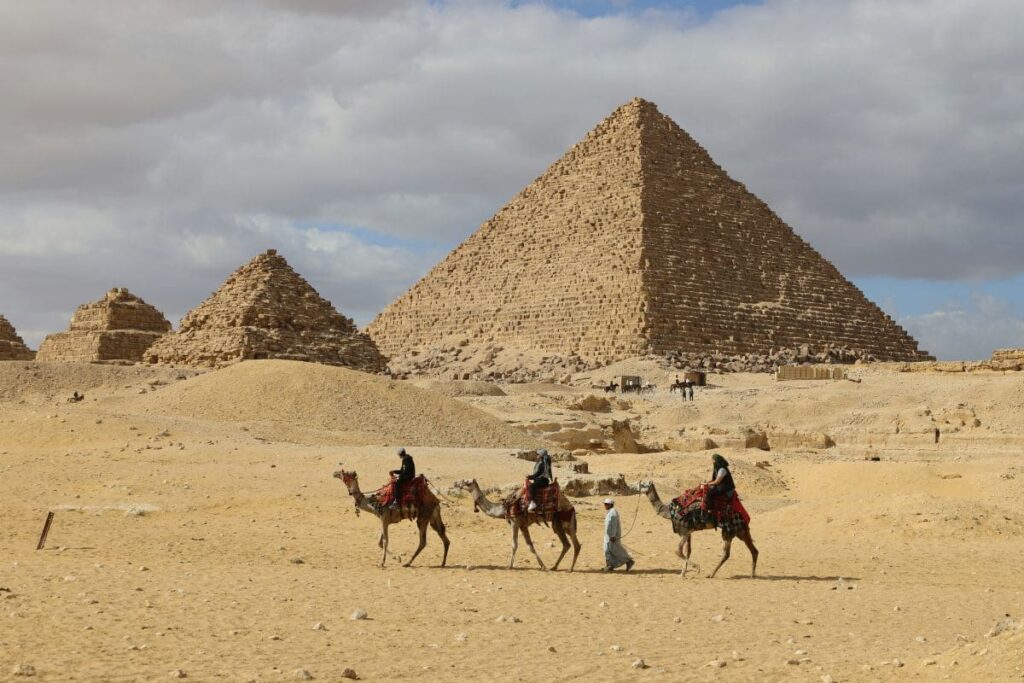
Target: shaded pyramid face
267,310
12,347
118,327
636,242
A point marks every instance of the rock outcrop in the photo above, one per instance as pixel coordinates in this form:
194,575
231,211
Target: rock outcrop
120,327
267,310
633,243
12,347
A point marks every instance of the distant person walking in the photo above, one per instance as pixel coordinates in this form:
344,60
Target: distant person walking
615,554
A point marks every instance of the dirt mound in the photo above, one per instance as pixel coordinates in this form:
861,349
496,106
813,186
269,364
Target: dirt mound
333,398
43,382
458,388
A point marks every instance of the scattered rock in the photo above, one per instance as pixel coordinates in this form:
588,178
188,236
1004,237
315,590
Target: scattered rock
23,670
297,560
639,664
303,675
460,637
319,626
359,615
716,664
351,674
178,673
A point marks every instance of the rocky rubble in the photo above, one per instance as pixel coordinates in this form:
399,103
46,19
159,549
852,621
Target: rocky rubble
716,362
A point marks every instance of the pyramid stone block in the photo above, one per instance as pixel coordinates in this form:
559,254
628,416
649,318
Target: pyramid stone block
117,328
267,310
12,347
636,242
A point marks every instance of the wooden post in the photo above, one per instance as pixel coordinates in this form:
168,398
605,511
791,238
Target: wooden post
46,530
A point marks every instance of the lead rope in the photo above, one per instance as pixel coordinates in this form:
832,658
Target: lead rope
636,513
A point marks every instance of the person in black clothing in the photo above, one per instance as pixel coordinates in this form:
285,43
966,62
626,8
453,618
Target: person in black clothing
721,483
540,477
403,475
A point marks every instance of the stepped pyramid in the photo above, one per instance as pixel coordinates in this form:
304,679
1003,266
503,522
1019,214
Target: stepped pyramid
118,327
12,347
636,242
267,310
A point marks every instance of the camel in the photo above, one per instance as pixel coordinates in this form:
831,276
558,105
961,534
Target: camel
429,514
684,531
565,530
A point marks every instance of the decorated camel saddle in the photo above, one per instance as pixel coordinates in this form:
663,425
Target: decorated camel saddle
547,501
411,500
692,510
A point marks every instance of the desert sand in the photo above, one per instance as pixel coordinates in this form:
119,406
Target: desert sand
199,533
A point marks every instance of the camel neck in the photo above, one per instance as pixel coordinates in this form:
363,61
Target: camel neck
659,508
490,509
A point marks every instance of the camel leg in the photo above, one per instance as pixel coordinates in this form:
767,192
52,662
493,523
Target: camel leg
383,542
683,551
515,544
560,532
575,546
529,544
726,545
421,524
438,525
749,541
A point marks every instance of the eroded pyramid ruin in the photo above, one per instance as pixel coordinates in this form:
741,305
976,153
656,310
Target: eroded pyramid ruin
12,347
636,242
120,327
267,310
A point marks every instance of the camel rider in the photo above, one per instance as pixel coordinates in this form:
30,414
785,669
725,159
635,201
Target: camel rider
403,475
721,483
540,477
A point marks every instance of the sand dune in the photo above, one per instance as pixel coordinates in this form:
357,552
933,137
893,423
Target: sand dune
332,398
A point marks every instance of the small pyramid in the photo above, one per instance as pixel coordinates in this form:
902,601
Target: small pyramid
12,347
117,328
267,310
636,242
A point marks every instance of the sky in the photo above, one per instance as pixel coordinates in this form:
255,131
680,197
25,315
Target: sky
160,145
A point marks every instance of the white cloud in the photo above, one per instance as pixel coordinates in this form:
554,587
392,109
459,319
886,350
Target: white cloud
161,144
969,332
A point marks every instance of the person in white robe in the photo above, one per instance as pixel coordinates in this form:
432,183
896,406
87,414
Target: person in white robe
615,554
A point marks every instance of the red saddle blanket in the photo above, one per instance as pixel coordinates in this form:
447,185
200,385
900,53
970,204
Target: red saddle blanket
412,495
721,507
547,500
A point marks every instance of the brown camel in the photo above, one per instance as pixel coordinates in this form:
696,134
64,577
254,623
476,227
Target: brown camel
429,514
684,530
565,529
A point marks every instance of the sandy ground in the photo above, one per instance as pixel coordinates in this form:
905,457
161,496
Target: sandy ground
213,546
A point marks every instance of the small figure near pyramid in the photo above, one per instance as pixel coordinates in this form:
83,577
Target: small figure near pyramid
635,242
267,310
117,328
12,347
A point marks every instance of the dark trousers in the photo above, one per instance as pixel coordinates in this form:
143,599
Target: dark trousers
536,484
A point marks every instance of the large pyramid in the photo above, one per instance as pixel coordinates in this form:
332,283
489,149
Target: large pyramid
267,310
12,347
636,242
118,327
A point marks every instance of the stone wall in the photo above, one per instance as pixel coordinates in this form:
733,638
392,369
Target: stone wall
12,347
267,310
119,327
635,242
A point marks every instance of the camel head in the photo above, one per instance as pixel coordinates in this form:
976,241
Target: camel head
350,479
645,486
464,484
